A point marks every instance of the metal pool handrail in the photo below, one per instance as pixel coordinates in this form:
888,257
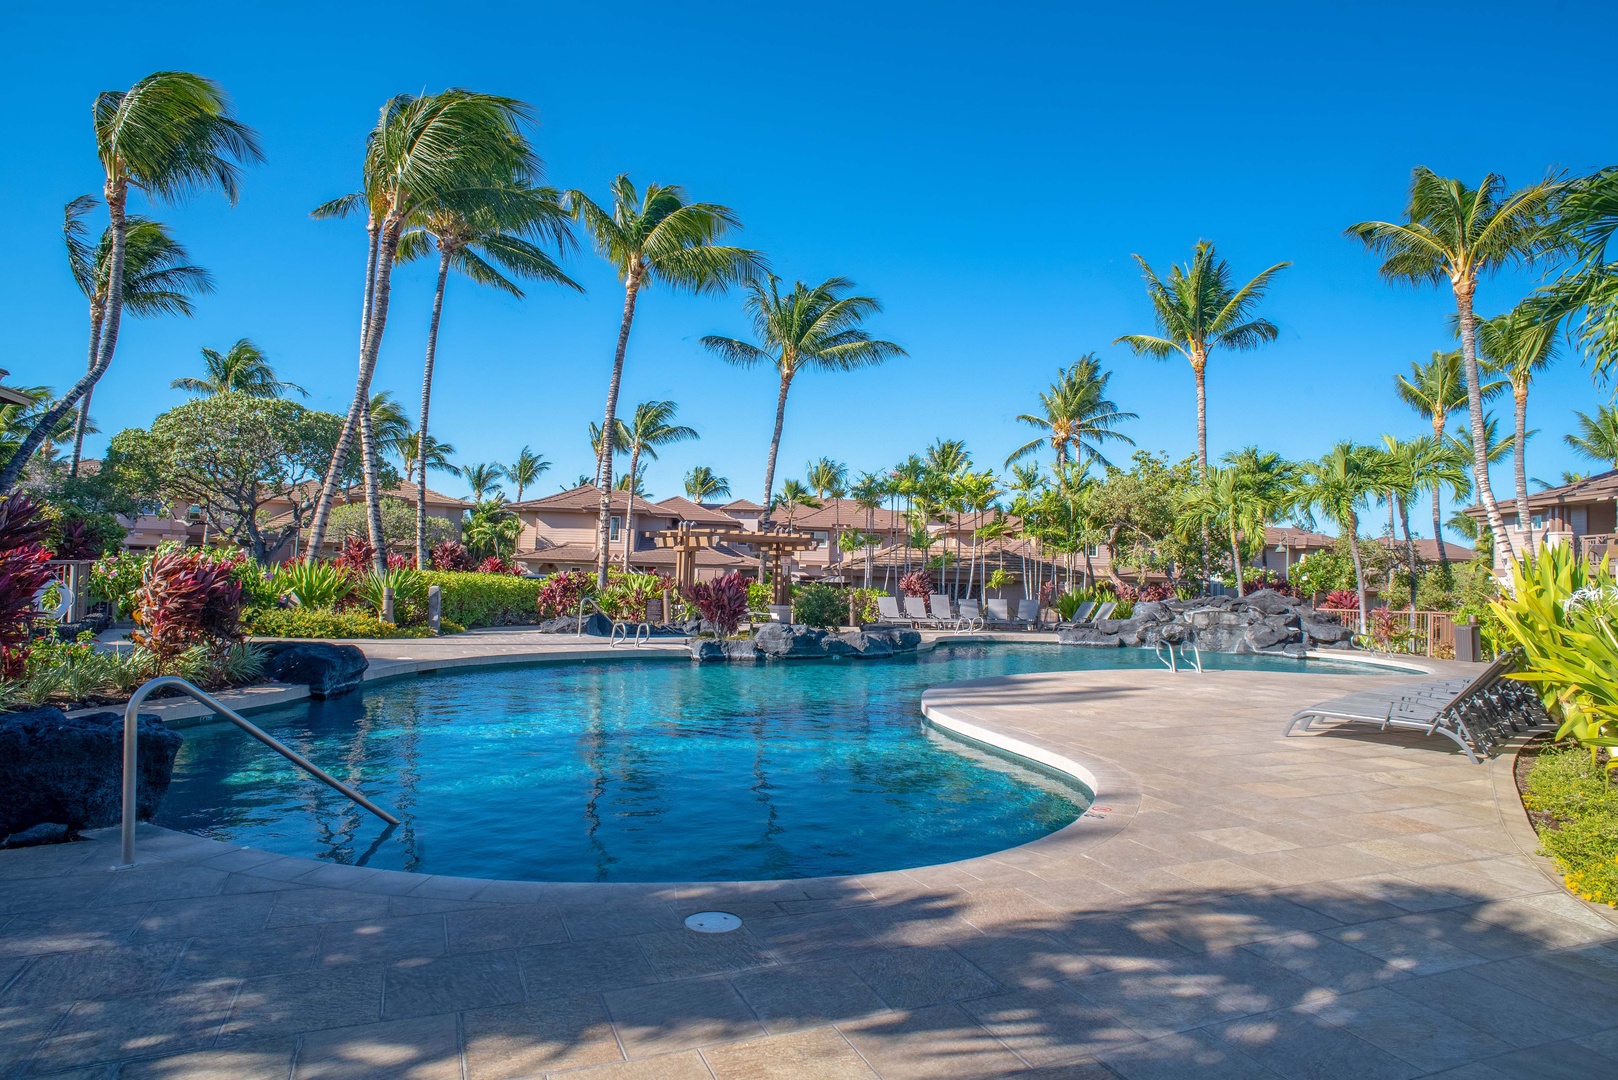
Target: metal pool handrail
131,716
1172,661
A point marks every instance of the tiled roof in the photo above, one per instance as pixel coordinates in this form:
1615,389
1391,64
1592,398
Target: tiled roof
844,513
696,513
744,506
1602,487
583,497
585,555
1296,538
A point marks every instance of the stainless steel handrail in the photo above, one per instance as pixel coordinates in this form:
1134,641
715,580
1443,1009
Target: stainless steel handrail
131,762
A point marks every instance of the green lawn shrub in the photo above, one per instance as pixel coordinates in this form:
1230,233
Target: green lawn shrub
1582,835
475,600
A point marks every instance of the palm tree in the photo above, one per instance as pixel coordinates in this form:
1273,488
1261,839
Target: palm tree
171,135
1340,485
814,327
1254,489
483,234
1437,388
438,459
827,478
701,483
1516,345
1460,234
424,151
1198,310
157,281
868,492
1075,414
651,428
482,478
1598,435
526,470
390,426
1586,219
794,495
242,369
1404,475
654,236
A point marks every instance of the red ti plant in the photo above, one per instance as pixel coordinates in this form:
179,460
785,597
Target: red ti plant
187,598
722,601
450,555
494,564
917,583
23,573
560,593
1341,600
355,558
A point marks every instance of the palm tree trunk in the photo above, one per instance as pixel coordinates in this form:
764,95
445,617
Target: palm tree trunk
775,443
97,315
116,193
1438,536
629,506
604,453
426,401
1525,519
362,392
1236,561
1410,550
368,448
1359,569
1474,406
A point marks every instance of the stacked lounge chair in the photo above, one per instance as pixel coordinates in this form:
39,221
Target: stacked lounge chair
1477,714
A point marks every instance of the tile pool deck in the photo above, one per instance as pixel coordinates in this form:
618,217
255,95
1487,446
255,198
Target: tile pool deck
1235,905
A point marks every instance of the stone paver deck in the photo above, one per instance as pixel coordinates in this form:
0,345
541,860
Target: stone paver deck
1236,905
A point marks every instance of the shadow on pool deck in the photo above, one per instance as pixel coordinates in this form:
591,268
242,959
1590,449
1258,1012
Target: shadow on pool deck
195,966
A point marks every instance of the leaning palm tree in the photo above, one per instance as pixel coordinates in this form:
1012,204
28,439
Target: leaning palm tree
1459,234
651,427
482,478
1340,485
1516,345
423,151
484,233
811,327
1598,435
242,369
1075,415
526,470
1198,310
649,237
171,135
703,483
157,281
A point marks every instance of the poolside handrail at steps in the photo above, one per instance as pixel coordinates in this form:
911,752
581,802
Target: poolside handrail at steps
1172,661
131,762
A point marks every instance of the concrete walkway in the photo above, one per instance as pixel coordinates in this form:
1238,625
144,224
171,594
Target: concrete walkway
1235,905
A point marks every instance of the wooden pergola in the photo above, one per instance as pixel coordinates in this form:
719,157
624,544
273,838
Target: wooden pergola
687,540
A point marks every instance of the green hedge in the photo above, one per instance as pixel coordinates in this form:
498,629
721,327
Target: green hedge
475,600
315,623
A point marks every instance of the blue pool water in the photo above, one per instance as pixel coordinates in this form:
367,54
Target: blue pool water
641,771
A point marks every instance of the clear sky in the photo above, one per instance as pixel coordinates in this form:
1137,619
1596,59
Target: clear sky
986,170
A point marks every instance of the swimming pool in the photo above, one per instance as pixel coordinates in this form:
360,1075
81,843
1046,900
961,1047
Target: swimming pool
644,770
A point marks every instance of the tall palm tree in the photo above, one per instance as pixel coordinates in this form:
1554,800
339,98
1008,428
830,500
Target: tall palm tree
158,280
1598,435
1198,310
1586,294
482,478
827,478
812,327
526,470
388,421
1404,476
425,150
1075,415
650,237
868,492
484,234
1517,345
170,135
653,426
242,369
702,483
1437,388
1340,485
439,457
1460,234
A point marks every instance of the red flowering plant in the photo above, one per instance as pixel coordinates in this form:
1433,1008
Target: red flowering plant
23,573
917,583
187,598
560,593
722,601
450,555
355,558
494,564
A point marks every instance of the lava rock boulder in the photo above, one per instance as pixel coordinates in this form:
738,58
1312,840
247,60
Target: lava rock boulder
328,670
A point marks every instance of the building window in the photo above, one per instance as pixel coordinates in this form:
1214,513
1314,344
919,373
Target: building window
616,524
821,538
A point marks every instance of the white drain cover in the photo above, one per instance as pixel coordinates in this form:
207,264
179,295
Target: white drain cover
713,922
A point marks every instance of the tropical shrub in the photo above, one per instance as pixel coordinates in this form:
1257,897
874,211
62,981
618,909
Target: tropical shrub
561,592
450,556
1067,605
317,584
79,672
865,609
998,579
301,622
1341,600
626,595
723,601
917,583
1124,591
23,572
759,596
478,600
355,555
398,524
114,578
821,605
1575,810
494,564
409,593
1124,610
187,598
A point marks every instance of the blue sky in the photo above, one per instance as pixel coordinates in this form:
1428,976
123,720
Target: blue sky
986,171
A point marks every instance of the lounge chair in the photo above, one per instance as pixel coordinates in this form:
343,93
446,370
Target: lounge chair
942,616
1476,714
971,615
887,607
1028,613
916,610
1000,614
1104,611
1081,614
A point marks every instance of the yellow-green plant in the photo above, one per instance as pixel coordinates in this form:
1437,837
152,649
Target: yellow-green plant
1561,614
